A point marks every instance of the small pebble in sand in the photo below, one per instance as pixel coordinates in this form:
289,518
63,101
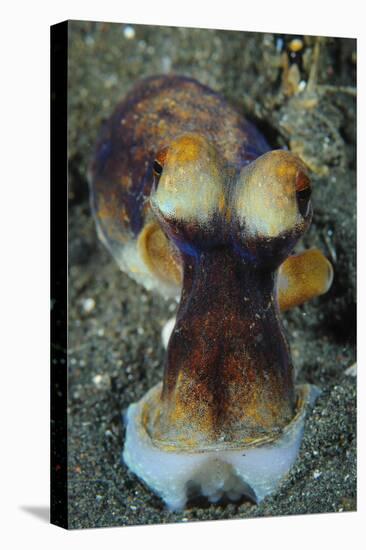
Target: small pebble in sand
89,40
172,307
166,64
110,81
102,381
88,305
302,85
352,370
129,32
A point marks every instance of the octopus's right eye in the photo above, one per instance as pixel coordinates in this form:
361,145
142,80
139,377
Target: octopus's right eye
303,193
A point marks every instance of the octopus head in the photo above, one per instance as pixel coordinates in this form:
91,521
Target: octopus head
201,201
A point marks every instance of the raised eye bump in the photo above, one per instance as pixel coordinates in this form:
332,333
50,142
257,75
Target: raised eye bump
190,182
271,198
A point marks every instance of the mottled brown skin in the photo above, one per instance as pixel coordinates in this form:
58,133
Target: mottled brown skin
228,372
231,213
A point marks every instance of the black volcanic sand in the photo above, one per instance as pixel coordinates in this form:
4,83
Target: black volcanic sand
115,351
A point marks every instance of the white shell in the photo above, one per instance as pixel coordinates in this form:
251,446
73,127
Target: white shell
254,472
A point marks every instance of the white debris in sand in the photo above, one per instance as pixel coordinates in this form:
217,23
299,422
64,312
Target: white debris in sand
167,331
352,370
102,381
129,32
88,305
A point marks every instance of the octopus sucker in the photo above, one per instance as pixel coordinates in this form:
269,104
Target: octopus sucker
208,214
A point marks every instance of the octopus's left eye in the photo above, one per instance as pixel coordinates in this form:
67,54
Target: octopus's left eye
157,171
303,193
157,167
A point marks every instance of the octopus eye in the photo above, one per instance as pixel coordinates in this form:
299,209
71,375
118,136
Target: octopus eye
157,171
157,167
303,193
159,164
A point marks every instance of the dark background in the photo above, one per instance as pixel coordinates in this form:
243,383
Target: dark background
115,352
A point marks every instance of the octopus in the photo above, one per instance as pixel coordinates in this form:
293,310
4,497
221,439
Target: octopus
192,203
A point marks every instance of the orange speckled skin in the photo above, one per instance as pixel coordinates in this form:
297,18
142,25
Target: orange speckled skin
155,112
228,373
